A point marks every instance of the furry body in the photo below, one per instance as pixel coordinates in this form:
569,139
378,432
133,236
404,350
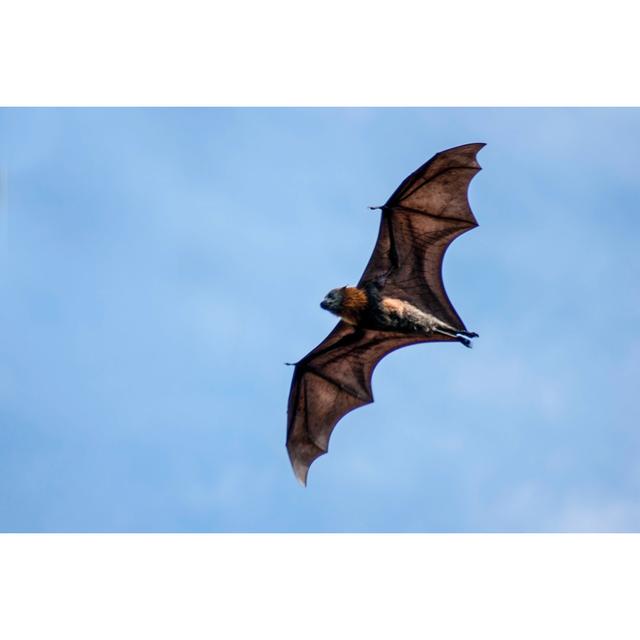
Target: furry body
366,308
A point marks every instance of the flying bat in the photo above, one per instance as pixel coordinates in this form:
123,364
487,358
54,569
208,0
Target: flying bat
400,300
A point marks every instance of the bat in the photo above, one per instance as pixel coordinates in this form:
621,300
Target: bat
400,300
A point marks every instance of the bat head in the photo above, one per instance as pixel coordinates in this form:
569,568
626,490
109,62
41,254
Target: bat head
333,300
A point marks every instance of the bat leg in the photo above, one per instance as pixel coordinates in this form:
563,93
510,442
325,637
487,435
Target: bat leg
460,338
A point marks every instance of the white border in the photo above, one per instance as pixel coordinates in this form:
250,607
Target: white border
347,52
319,586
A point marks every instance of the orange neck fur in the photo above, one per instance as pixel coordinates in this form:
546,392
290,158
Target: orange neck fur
354,302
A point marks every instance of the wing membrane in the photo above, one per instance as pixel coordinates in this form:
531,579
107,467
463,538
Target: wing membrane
419,221
331,381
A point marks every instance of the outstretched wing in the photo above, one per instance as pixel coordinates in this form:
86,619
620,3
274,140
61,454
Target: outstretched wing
331,381
425,213
419,221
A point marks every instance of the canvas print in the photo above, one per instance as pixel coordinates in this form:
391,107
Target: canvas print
161,268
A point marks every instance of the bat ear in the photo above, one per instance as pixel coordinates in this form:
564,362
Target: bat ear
344,288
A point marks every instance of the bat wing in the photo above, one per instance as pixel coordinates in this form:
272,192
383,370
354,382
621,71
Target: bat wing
419,221
331,381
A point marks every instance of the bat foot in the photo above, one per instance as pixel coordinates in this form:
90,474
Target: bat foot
460,336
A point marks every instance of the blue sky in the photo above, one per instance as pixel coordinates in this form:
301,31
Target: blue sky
160,265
